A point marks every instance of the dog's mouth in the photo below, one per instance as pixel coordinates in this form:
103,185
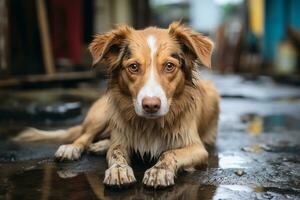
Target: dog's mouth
142,113
151,115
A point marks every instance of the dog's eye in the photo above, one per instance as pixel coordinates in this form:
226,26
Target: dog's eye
169,67
134,68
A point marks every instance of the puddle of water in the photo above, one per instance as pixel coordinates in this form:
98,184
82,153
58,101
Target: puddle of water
256,192
275,148
233,161
239,188
281,122
47,183
257,124
48,180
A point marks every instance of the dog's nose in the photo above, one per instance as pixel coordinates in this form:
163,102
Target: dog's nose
151,104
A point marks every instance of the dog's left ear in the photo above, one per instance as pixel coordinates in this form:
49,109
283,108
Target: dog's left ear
107,48
200,46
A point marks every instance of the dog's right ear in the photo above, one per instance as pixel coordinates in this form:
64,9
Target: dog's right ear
105,48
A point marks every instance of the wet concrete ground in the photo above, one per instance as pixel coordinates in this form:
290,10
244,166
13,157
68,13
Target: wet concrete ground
257,155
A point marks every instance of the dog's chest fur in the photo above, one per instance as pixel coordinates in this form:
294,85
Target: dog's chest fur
149,136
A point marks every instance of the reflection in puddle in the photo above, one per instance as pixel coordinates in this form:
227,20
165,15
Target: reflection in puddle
255,127
45,183
66,174
257,124
255,192
231,191
281,122
232,161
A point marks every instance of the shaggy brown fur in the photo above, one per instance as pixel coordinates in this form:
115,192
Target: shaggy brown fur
177,138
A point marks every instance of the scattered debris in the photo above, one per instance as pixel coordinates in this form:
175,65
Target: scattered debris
256,148
240,172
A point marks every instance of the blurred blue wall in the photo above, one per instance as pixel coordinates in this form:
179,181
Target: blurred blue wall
279,14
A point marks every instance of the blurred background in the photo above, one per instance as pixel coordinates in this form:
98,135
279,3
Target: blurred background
46,40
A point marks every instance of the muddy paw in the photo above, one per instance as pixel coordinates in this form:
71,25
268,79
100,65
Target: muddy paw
119,176
157,177
68,152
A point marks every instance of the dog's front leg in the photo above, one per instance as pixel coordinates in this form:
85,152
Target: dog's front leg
162,174
119,173
95,122
73,151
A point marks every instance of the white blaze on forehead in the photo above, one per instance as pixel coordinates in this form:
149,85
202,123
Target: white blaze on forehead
151,40
152,88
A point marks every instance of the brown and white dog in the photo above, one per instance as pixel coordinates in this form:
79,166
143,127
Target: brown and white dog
155,104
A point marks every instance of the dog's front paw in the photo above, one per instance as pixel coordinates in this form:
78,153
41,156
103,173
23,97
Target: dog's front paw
159,177
68,152
119,176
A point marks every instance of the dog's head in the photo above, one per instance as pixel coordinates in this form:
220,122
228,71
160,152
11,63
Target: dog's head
153,65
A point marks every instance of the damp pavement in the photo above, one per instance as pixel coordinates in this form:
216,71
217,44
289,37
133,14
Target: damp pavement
257,154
